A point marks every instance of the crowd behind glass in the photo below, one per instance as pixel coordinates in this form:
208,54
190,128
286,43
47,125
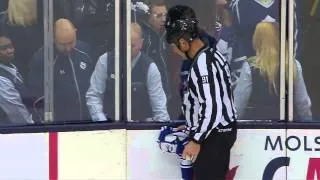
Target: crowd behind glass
247,33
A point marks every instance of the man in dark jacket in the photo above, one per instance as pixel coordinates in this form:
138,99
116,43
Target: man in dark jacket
72,71
94,20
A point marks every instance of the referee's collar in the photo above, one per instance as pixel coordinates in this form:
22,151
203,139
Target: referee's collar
202,49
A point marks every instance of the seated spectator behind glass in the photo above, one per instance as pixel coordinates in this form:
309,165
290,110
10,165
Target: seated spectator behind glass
257,93
22,22
148,97
13,95
72,71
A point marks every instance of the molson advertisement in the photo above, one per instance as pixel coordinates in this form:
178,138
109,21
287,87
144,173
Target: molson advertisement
135,155
276,154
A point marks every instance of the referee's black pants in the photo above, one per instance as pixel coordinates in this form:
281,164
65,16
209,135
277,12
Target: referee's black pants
213,159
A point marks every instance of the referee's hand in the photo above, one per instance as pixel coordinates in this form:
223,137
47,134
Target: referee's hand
191,150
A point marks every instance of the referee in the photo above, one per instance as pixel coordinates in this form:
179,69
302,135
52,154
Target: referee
207,101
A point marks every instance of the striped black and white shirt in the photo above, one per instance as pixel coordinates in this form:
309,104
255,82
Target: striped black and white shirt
208,101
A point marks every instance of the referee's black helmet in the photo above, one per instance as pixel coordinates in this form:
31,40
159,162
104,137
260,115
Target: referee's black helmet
181,22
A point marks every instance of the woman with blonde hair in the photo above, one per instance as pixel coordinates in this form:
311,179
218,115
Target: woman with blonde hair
22,13
257,93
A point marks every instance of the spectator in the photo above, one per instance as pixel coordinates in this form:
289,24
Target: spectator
257,93
227,44
224,30
154,45
72,71
148,97
14,100
94,20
